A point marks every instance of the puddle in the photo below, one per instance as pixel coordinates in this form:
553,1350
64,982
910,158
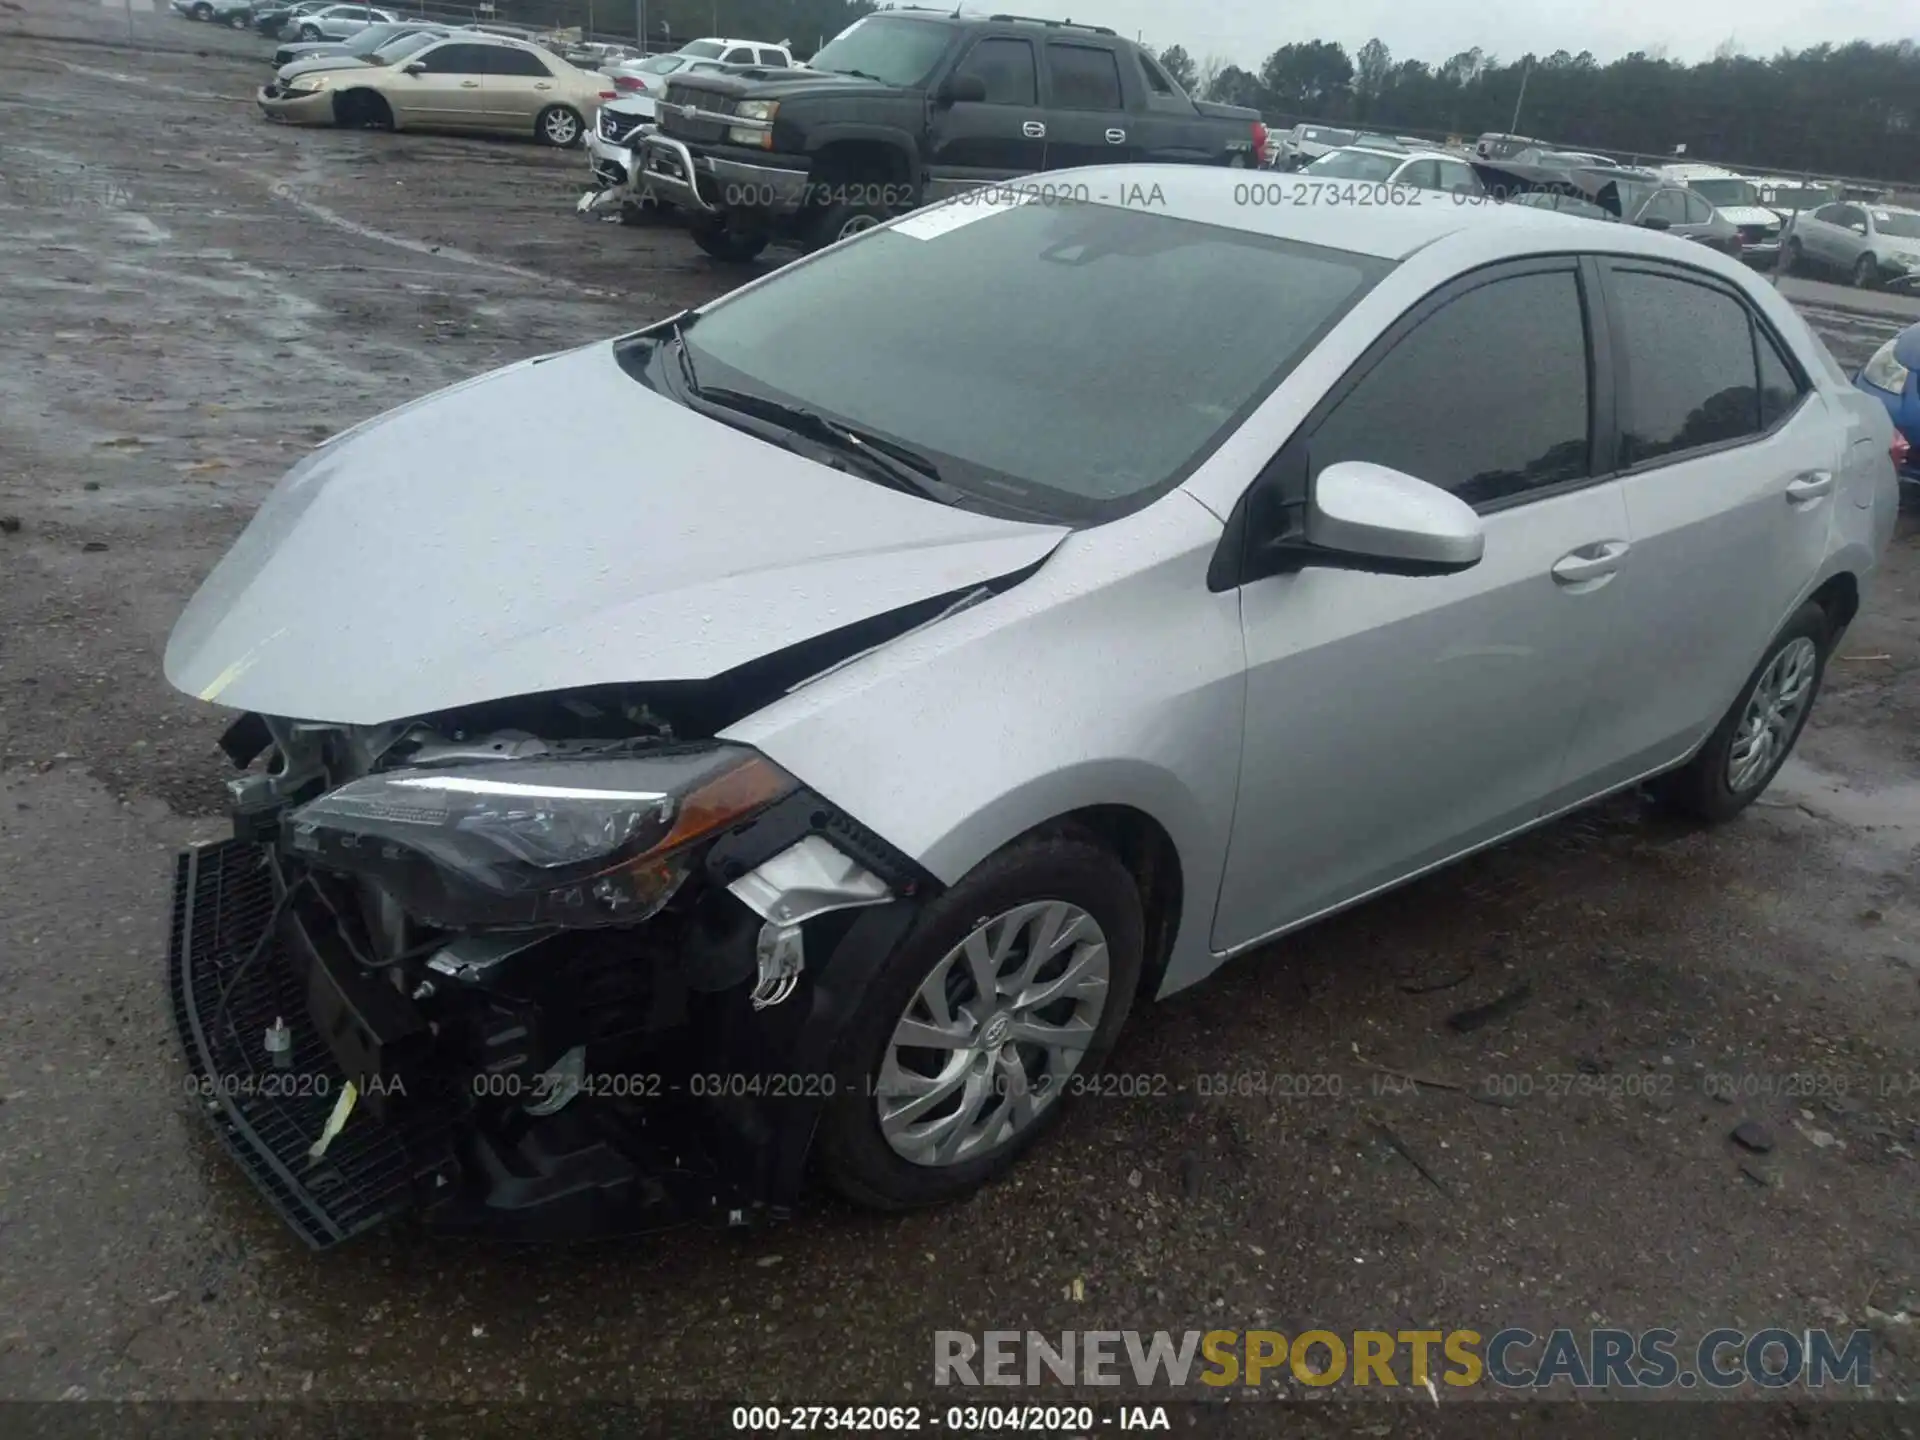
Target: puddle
1891,812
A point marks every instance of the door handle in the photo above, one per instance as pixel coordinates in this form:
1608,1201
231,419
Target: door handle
1116,137
469,84
1590,562
541,85
1810,485
1033,130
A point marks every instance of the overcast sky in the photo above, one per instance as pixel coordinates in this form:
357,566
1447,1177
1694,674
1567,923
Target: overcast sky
1246,31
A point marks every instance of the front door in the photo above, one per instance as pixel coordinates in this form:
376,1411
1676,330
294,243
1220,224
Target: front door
1393,721
447,89
1730,474
1087,119
978,142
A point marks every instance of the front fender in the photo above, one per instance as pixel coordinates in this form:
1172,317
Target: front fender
896,140
1112,676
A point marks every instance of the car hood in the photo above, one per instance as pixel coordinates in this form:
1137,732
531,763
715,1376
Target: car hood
1749,215
781,84
548,526
314,64
1898,245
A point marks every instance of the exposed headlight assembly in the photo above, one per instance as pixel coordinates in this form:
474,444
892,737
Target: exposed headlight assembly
760,134
576,843
1883,372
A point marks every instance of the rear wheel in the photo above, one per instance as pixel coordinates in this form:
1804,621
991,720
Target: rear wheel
1866,272
1744,753
735,247
362,110
560,126
966,1044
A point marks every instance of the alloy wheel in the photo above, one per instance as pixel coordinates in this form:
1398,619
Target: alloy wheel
1773,714
562,128
993,1034
856,224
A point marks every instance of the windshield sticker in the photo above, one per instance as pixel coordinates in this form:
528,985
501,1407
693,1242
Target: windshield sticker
1882,216
962,210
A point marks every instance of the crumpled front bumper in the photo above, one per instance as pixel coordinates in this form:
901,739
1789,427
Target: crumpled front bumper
229,980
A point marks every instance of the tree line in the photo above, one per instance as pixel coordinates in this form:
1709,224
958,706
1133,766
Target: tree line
1833,109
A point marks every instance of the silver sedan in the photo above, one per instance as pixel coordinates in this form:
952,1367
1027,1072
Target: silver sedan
1024,608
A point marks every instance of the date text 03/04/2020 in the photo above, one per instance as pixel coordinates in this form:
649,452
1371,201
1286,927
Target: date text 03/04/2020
955,1419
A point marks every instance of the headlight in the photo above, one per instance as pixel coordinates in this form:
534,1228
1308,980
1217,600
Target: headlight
584,842
758,136
757,109
308,84
1883,372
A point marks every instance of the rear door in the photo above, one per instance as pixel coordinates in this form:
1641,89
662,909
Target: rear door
1728,460
977,142
1087,120
519,85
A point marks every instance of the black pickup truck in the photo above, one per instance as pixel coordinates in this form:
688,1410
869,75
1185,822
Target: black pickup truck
911,106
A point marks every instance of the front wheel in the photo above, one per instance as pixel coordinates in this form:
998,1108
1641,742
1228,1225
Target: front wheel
362,110
1002,1001
1753,741
560,127
309,32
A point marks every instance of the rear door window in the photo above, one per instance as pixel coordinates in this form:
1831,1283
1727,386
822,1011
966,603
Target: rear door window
1487,397
1083,78
1690,361
509,61
773,59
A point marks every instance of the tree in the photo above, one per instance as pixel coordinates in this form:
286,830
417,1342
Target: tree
1372,67
1234,86
1208,79
1179,65
1311,78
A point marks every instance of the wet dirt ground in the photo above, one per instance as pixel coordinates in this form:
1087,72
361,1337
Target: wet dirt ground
190,297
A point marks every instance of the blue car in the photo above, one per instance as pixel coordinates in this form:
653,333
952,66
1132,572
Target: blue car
1892,377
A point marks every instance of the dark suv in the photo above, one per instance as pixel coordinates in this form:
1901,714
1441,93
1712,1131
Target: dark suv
910,106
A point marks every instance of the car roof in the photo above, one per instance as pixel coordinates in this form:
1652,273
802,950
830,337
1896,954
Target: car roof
719,40
1216,195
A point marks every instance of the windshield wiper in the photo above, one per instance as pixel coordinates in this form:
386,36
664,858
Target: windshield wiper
895,464
863,75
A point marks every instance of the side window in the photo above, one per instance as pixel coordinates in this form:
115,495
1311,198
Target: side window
773,59
457,60
1828,214
1487,397
1690,358
1083,78
1699,212
1779,389
1666,205
1854,218
739,55
1157,80
509,61
1420,175
1006,68
1459,179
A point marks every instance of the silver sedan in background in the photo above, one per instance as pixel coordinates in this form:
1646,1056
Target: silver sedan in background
854,739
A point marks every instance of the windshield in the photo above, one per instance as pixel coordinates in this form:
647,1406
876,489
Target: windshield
1071,362
885,48
373,37
1901,224
1353,165
704,49
402,46
660,64
1724,192
1330,137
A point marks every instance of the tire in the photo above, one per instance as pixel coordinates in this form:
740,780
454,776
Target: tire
362,110
732,247
836,222
1702,787
237,20
1866,273
310,32
1238,161
559,126
853,1153
202,11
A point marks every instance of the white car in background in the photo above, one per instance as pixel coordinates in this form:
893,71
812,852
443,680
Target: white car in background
1304,144
646,77
613,142
1737,199
1412,169
336,22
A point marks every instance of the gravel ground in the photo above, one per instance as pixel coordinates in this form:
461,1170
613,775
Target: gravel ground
189,297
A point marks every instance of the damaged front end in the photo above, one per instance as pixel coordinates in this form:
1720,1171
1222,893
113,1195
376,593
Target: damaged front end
534,969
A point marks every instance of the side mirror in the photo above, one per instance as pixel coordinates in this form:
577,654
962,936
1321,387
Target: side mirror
1655,222
415,67
1381,519
959,89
